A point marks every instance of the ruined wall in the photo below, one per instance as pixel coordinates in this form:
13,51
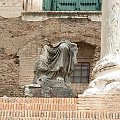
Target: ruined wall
9,76
25,39
10,8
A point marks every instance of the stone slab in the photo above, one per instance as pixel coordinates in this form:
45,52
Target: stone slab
44,15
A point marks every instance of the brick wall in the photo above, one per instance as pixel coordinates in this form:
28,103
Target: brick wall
25,39
97,107
100,107
9,76
79,88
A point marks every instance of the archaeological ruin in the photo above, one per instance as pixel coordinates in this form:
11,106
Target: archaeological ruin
29,29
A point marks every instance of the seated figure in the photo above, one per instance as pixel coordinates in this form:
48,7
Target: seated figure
52,71
56,61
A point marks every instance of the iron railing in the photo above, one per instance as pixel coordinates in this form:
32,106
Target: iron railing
72,5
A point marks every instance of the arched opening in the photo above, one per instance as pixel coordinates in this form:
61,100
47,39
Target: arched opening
81,75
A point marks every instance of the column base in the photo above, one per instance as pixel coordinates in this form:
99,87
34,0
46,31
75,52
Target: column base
107,73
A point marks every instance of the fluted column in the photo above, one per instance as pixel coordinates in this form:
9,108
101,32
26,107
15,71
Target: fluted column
32,5
107,70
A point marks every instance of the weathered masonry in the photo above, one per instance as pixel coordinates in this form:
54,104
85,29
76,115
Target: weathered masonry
22,40
88,50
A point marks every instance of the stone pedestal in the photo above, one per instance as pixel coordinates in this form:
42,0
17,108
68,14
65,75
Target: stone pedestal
56,88
32,89
52,71
107,70
48,89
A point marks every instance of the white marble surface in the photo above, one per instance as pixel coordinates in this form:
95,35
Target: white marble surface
33,5
10,8
107,70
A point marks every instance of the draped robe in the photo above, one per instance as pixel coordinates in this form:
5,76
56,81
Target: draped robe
56,61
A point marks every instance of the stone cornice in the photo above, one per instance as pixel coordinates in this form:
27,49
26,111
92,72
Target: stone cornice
44,15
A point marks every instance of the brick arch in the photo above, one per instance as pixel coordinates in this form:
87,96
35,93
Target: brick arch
93,50
87,52
91,41
86,47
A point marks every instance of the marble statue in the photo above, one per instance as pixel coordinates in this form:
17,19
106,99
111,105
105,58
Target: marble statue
56,61
53,69
107,69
